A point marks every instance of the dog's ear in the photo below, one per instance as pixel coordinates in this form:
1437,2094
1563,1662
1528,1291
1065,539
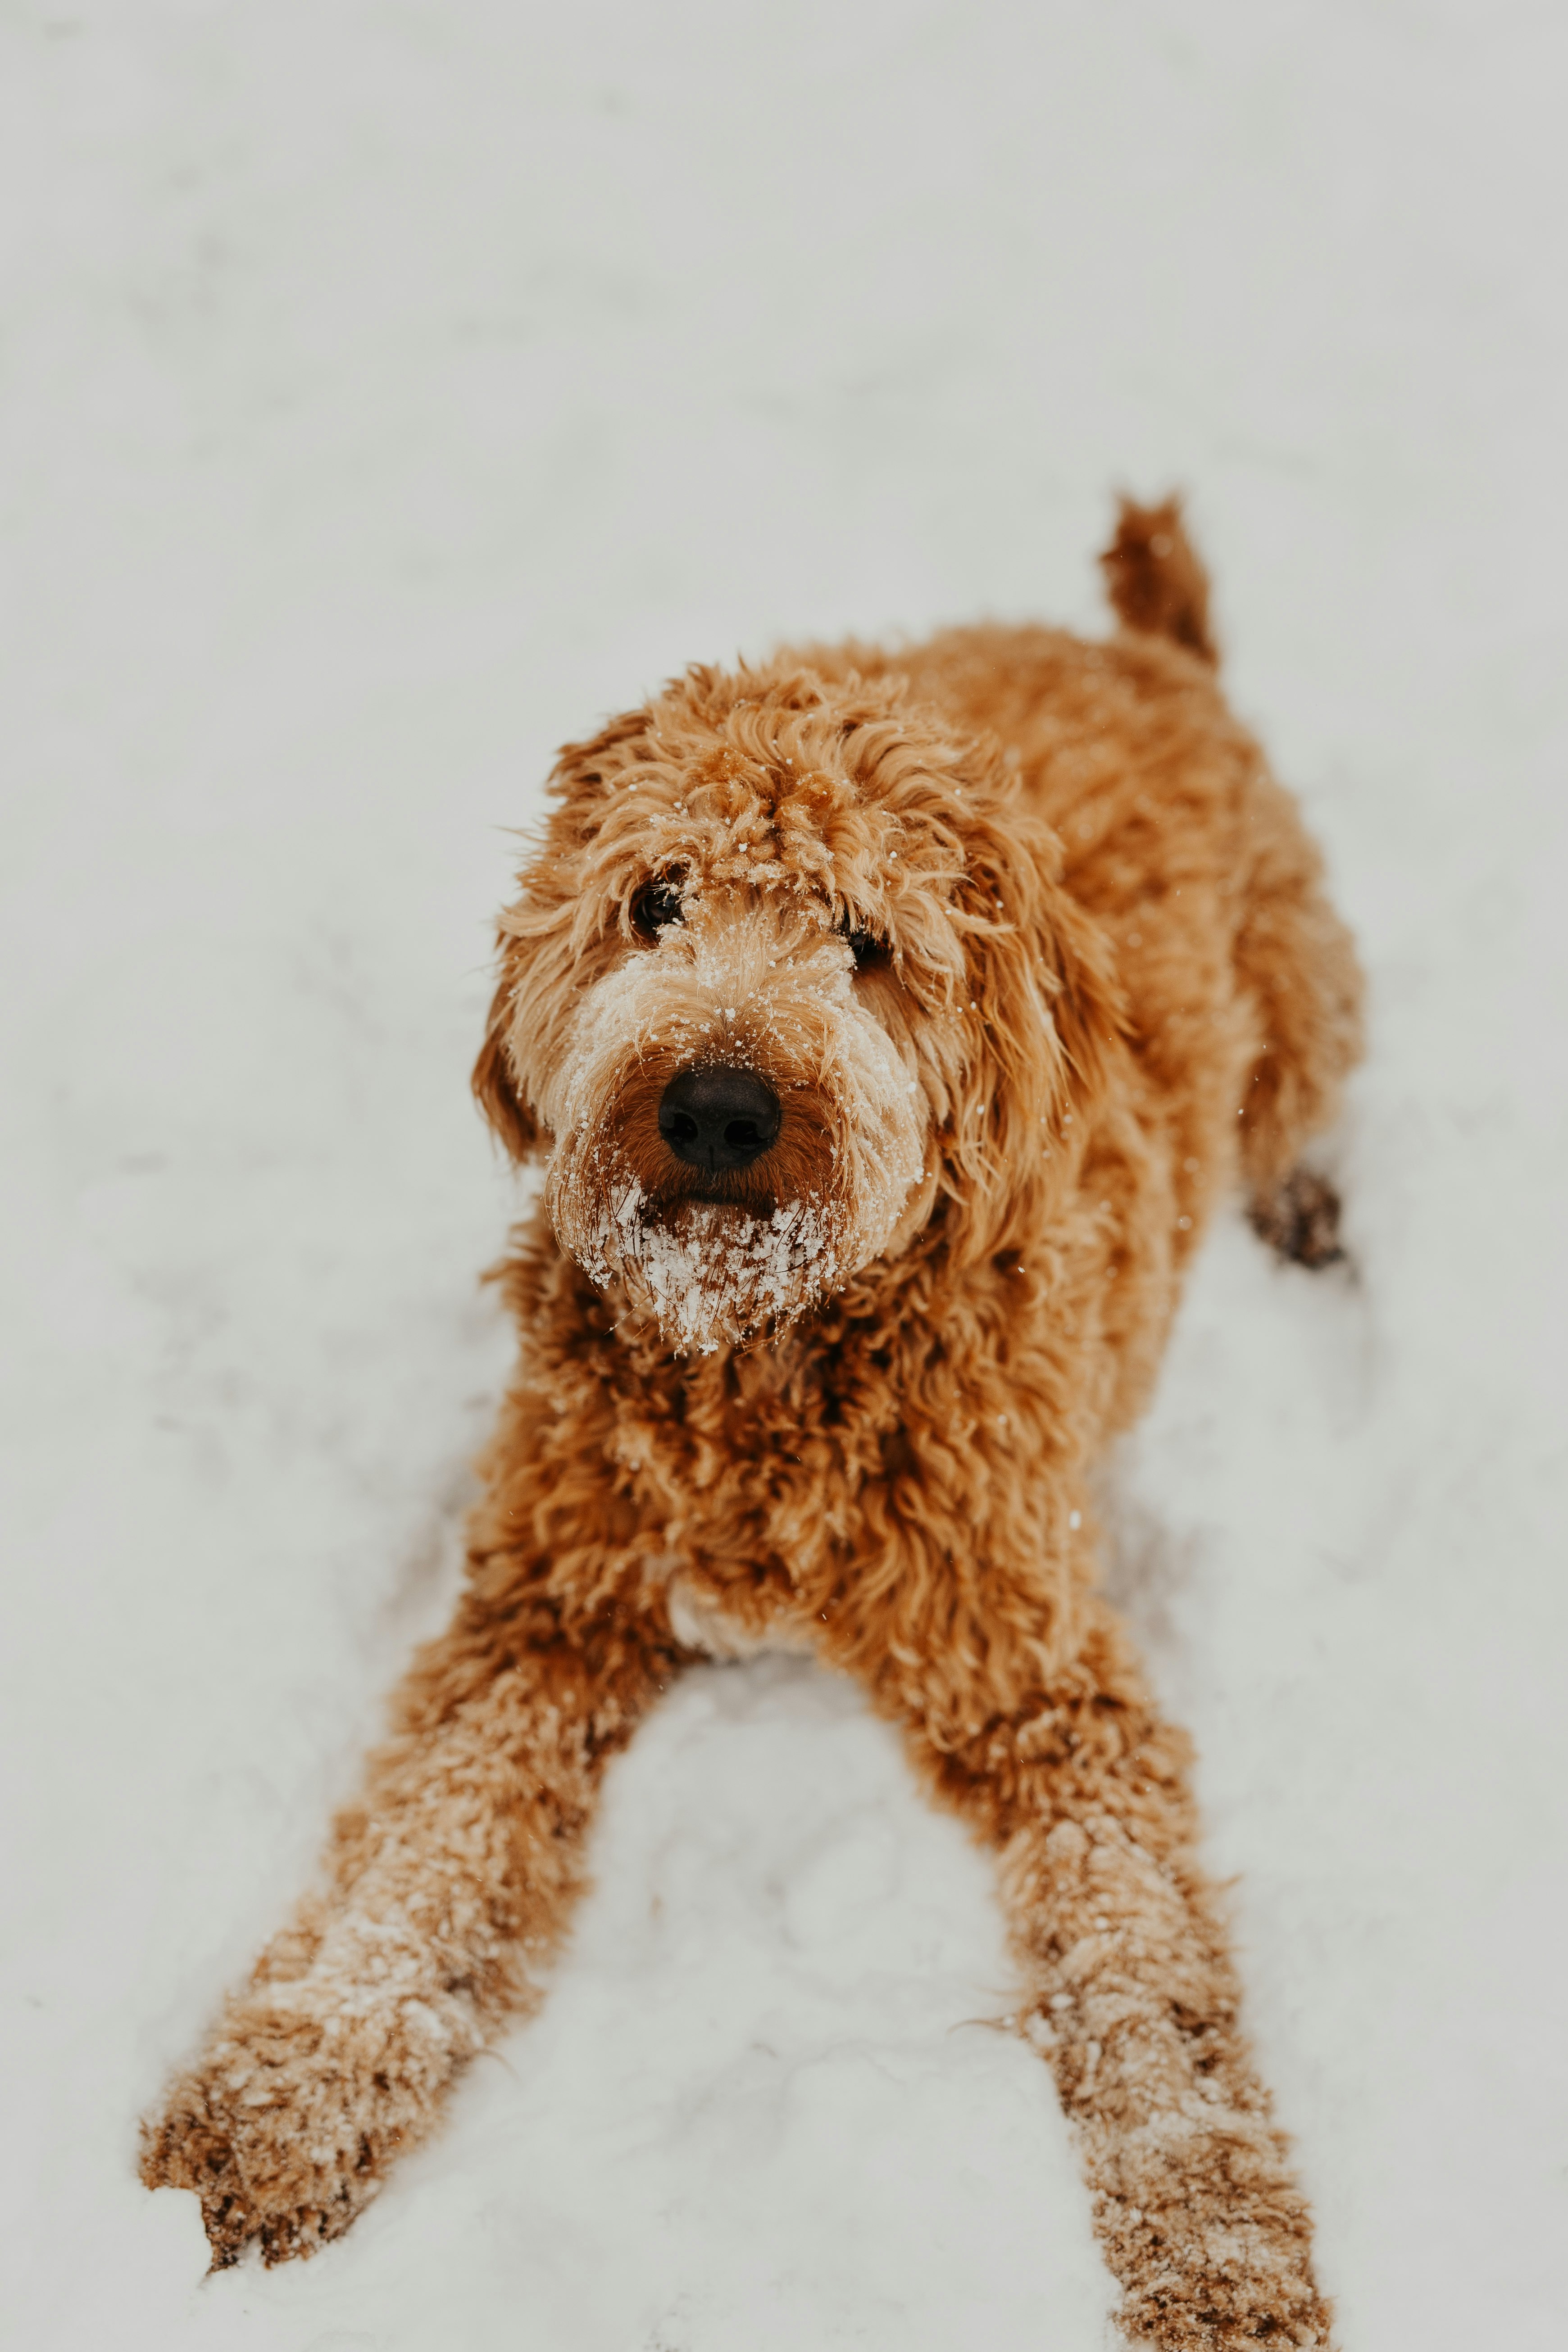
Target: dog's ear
1048,1006
495,1087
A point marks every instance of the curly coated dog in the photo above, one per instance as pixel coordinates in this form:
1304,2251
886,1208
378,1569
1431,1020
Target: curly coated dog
889,1025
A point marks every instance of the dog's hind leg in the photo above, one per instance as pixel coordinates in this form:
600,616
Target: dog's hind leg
447,1881
1293,956
1134,2003
1295,960
1300,1220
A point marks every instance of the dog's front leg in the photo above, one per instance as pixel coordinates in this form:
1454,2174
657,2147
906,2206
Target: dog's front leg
1134,2003
452,1873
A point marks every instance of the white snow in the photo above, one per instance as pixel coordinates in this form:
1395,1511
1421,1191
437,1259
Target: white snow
385,392
712,1273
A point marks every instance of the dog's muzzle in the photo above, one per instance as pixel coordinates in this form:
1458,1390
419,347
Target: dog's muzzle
717,1118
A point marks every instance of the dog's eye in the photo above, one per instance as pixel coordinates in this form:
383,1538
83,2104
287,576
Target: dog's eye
866,948
659,907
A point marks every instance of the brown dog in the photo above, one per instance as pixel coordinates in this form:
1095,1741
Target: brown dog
891,1026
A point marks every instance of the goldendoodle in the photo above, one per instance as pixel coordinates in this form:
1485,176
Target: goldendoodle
889,1025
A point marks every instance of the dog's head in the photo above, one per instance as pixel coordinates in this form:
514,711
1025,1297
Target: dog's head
790,977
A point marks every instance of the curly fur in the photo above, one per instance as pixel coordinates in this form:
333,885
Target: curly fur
1036,958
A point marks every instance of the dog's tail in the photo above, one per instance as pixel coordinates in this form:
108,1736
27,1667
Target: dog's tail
1155,581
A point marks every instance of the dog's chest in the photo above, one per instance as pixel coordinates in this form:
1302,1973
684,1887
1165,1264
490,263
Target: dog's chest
700,1621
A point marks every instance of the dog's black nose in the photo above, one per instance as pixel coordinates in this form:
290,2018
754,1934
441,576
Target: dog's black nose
717,1118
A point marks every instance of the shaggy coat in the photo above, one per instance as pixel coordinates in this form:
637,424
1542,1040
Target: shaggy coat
1016,962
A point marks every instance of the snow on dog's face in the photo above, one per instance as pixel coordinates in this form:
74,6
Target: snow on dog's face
735,1130
780,980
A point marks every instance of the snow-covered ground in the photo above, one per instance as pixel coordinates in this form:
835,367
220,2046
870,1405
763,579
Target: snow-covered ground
388,387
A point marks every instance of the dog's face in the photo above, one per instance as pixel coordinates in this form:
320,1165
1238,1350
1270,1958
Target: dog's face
789,969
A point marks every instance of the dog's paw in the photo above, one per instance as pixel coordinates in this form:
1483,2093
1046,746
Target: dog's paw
284,2129
1300,1220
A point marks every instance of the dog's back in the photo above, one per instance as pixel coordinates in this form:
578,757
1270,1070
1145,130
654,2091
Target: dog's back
1242,987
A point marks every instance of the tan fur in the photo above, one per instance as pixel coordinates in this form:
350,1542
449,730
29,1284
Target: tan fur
851,1395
